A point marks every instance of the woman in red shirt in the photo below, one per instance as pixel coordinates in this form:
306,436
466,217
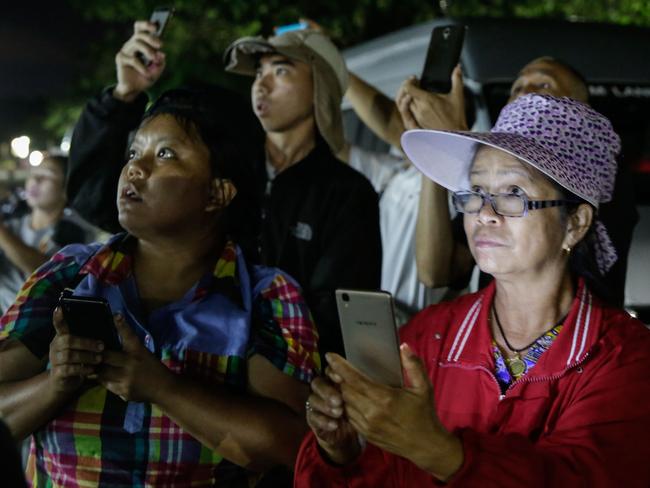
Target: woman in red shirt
532,381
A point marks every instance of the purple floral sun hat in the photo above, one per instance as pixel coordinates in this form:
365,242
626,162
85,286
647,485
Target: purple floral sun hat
565,139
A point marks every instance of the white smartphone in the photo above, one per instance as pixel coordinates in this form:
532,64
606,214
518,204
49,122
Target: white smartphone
370,334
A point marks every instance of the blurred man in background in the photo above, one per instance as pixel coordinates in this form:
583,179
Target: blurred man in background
29,240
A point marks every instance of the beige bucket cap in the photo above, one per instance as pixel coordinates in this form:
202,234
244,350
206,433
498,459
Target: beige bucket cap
329,72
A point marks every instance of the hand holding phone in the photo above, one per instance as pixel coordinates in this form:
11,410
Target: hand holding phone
160,17
442,56
370,334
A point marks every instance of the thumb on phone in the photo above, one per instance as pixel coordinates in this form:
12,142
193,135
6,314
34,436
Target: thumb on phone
130,341
59,322
457,82
415,372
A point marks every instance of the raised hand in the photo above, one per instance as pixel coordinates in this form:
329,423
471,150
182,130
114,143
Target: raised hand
72,358
133,75
425,110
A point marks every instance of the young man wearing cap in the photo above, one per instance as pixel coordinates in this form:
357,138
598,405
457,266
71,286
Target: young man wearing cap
320,217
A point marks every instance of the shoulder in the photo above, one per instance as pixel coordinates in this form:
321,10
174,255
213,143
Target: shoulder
78,253
625,334
272,283
284,332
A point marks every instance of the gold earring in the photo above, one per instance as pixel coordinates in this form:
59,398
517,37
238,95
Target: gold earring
566,248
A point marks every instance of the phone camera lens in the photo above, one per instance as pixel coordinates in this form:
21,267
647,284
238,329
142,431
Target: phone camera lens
345,297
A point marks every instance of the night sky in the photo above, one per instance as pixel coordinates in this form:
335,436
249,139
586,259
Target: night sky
40,48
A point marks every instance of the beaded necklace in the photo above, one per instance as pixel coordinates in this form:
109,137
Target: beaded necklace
516,364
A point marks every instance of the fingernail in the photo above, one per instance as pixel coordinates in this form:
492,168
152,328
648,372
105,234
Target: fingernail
336,411
331,425
335,377
100,346
328,357
336,401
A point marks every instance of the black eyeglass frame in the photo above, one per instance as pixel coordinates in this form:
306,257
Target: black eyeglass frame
527,204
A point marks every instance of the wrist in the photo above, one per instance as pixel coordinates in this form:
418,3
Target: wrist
54,394
125,94
340,454
165,385
441,459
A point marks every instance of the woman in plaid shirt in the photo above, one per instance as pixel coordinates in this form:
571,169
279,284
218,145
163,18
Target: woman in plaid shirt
217,352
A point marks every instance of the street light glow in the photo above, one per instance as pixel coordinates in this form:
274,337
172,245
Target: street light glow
35,158
20,147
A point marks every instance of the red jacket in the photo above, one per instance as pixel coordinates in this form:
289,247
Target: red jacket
580,417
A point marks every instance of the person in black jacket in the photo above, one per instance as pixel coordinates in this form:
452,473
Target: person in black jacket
320,218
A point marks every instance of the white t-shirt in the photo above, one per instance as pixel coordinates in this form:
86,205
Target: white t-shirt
398,184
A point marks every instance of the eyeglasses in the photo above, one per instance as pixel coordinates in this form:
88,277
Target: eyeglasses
505,204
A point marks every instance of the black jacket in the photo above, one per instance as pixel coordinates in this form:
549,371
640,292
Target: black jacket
320,217
321,225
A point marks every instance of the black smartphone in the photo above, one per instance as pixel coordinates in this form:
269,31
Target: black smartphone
160,17
442,57
90,317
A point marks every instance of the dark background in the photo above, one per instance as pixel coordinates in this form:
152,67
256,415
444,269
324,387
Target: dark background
41,52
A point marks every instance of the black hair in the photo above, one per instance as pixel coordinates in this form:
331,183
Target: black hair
577,75
203,113
582,261
61,160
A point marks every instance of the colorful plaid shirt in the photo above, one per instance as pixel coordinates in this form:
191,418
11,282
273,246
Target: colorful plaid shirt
232,313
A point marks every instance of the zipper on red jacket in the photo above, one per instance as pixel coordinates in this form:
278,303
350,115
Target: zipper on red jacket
539,379
524,379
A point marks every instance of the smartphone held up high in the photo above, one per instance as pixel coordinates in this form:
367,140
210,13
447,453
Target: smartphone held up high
370,334
283,29
160,17
442,57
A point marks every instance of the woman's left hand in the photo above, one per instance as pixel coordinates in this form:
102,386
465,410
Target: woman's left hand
399,420
134,374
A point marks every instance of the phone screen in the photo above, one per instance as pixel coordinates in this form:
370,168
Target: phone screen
442,57
90,317
160,17
283,29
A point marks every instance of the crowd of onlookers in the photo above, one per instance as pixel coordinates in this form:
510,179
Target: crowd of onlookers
231,229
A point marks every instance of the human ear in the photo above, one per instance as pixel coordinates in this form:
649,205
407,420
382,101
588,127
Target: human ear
222,192
578,224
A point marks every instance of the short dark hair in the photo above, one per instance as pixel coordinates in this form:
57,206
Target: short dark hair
207,114
61,160
579,79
